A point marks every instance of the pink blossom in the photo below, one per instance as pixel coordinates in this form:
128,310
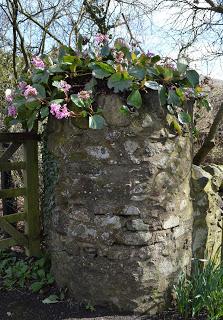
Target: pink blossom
12,111
150,54
64,86
9,98
59,111
119,56
9,95
30,91
38,63
101,38
22,86
84,94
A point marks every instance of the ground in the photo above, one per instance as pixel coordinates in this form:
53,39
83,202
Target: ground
18,305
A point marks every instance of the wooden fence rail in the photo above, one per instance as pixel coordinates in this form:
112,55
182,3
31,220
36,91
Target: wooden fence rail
30,239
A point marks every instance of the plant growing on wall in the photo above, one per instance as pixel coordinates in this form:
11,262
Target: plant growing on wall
66,86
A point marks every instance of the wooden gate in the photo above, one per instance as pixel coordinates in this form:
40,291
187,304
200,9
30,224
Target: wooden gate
30,239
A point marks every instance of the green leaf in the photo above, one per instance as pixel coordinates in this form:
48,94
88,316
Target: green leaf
155,59
31,120
105,51
152,85
172,120
118,82
89,86
96,122
162,95
57,101
32,105
19,100
105,67
101,70
99,73
193,77
78,102
137,72
44,112
168,74
36,286
41,90
184,117
181,67
55,69
53,298
152,72
135,99
173,98
64,51
41,76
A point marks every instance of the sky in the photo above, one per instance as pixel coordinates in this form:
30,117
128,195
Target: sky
158,39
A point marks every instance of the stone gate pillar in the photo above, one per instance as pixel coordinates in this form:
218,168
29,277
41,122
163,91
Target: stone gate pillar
119,209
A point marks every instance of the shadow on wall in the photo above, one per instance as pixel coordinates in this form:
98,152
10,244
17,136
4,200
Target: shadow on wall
207,210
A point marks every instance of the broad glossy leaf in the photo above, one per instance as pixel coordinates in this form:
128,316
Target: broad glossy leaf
63,51
118,82
155,59
193,77
105,51
168,74
33,105
100,73
41,90
181,67
31,120
57,101
78,102
96,122
173,98
42,76
89,86
184,117
172,120
152,85
19,100
137,72
135,99
162,95
44,112
104,66
55,69
51,299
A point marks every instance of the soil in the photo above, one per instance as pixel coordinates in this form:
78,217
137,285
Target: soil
18,305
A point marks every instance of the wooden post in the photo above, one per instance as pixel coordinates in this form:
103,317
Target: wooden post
31,179
9,205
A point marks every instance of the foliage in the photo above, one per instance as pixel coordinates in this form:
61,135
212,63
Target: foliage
67,85
202,291
30,273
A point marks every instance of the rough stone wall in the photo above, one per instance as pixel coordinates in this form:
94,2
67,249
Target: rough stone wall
207,208
122,221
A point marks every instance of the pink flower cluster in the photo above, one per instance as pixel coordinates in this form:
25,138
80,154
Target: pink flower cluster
29,91
101,38
38,63
150,54
64,86
59,111
11,111
22,86
119,56
84,95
